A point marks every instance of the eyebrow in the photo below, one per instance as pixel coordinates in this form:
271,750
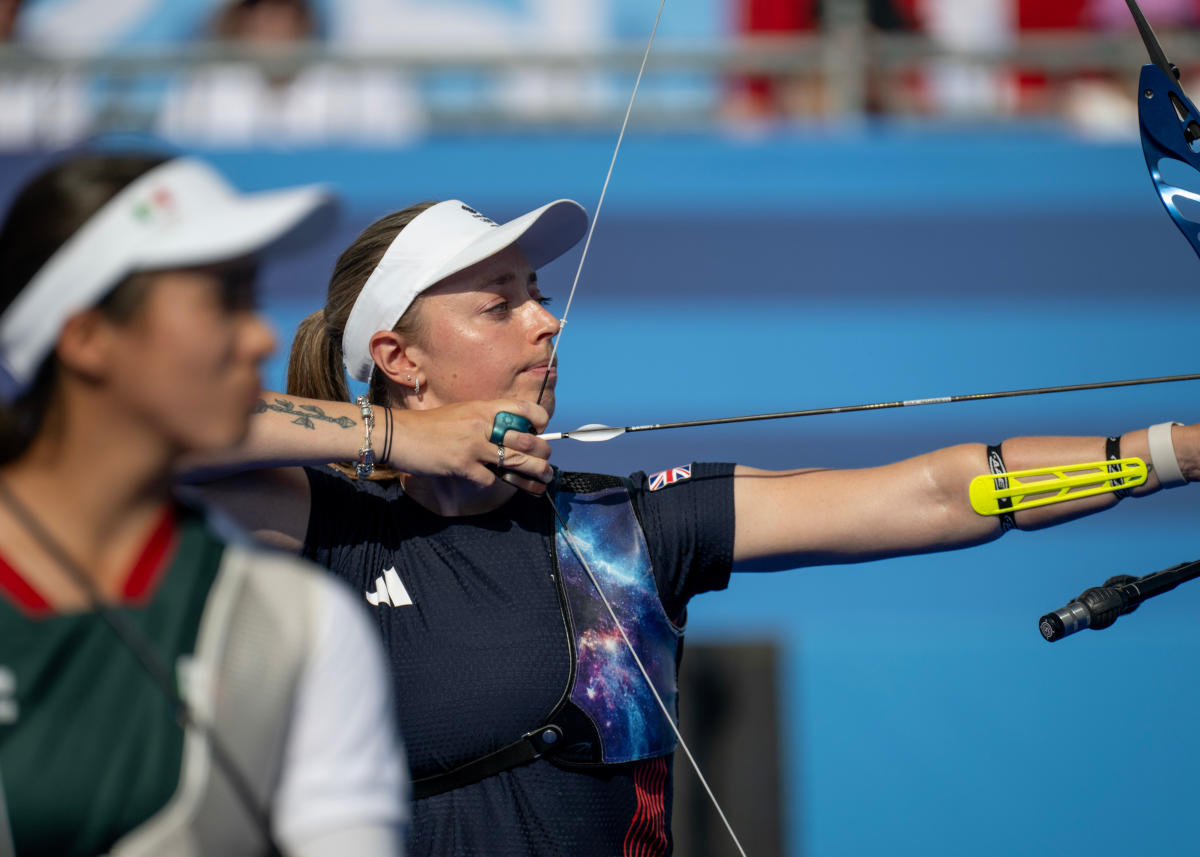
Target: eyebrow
508,276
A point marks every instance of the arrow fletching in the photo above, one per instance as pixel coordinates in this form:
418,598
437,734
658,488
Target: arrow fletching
1041,486
590,433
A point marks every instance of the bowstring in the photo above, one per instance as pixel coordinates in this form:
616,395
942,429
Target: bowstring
566,531
587,242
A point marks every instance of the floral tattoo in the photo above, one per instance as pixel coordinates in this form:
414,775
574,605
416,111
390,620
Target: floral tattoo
304,414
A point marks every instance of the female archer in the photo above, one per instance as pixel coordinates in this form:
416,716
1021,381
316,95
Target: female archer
531,726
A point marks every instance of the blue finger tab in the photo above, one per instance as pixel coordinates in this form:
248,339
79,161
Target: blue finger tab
505,421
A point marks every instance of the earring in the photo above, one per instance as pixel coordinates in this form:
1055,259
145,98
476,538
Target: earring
417,388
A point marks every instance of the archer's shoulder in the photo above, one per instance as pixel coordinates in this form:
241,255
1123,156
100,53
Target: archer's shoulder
641,482
698,475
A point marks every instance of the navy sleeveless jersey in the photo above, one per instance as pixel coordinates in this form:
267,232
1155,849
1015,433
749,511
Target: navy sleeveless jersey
471,618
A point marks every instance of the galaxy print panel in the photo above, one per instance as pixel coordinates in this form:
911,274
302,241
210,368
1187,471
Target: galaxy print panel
608,687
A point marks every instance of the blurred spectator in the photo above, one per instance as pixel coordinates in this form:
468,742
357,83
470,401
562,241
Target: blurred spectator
8,19
238,103
762,96
973,77
807,93
1095,99
38,108
574,27
959,86
886,90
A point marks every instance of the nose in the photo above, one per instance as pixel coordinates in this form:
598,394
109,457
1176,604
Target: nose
257,338
543,325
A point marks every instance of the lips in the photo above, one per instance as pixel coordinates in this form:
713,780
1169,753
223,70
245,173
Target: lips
541,367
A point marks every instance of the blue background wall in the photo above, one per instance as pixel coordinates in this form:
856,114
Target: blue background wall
735,275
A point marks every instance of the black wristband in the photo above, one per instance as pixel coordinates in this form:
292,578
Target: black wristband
1112,452
996,465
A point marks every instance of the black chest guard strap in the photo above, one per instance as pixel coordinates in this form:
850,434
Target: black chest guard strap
544,741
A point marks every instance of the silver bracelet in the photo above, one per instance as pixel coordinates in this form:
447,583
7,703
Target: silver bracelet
366,456
1162,455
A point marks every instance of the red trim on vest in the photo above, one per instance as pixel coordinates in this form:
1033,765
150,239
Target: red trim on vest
647,834
18,590
140,584
147,572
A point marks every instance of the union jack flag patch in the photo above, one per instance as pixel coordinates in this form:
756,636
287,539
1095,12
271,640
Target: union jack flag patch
669,477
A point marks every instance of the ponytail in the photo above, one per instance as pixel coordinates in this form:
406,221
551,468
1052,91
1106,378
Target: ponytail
315,368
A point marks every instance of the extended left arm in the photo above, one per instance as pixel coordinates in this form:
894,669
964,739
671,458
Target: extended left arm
787,519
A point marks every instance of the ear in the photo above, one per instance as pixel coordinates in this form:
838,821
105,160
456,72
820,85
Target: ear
85,345
391,355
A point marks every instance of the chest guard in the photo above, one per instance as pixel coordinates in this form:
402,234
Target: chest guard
607,714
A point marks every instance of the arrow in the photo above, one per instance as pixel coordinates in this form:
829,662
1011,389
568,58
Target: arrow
595,433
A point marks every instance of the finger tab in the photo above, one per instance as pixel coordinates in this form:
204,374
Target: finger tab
506,420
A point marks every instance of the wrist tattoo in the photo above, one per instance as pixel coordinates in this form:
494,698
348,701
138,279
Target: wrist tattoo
304,414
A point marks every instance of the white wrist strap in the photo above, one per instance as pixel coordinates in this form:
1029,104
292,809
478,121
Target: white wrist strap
1162,455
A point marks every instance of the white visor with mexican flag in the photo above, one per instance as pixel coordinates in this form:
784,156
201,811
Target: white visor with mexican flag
180,214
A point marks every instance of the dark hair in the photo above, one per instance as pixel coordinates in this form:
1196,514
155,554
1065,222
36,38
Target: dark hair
49,210
315,367
230,19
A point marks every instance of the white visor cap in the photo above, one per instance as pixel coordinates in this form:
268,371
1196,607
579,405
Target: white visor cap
179,214
442,240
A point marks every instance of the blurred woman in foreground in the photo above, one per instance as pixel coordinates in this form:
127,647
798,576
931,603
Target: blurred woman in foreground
127,339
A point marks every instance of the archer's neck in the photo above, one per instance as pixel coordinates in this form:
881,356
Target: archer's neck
453,498
96,485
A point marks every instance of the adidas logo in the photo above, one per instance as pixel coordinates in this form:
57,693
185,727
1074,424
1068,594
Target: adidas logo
389,591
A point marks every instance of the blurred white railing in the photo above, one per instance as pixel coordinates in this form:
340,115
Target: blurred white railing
688,86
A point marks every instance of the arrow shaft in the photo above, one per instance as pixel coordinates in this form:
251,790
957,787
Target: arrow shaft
905,403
